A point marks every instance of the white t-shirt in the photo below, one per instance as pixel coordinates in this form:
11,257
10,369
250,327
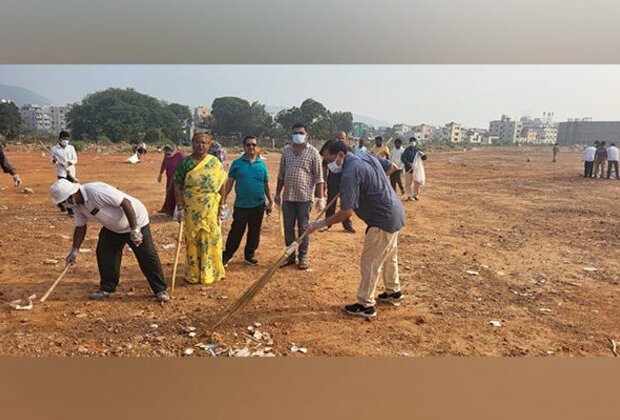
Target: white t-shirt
395,156
64,155
612,153
102,204
588,154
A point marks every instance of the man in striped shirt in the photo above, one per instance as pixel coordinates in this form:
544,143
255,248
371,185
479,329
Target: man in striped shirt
299,179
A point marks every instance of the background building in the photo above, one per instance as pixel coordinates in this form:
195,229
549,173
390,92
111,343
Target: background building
505,129
586,131
45,118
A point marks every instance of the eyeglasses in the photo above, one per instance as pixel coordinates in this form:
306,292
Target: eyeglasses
251,145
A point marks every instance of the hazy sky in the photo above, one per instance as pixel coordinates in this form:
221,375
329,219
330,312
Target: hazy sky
436,94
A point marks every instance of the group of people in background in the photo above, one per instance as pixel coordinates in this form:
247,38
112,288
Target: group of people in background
595,157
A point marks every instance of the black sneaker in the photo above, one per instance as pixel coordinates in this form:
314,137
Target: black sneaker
348,227
251,261
390,297
360,310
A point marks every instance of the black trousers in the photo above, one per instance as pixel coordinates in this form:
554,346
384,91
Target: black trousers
253,219
613,163
110,252
395,180
333,188
588,168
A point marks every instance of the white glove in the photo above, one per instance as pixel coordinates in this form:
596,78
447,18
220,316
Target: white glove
317,225
72,255
16,180
178,215
290,250
135,236
320,204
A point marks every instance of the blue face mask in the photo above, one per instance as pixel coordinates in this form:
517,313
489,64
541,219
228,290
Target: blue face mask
64,142
299,138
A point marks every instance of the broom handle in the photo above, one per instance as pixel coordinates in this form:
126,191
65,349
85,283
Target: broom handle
53,286
176,257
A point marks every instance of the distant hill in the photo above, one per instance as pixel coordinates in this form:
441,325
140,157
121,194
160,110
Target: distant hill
356,118
22,96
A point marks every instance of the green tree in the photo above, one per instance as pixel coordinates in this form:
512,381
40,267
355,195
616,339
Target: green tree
289,117
343,121
312,111
124,114
11,123
229,115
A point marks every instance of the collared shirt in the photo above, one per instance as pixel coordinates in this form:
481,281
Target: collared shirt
588,154
300,173
365,189
250,179
612,153
381,151
601,153
102,204
395,156
359,150
64,155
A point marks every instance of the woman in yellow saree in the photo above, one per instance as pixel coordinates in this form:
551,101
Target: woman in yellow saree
199,183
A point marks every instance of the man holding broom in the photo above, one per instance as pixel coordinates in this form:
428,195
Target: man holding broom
125,220
365,191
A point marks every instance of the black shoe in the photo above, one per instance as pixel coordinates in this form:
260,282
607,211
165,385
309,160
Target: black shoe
349,227
251,261
391,297
360,310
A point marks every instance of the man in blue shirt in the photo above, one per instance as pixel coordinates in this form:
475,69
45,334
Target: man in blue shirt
365,191
252,186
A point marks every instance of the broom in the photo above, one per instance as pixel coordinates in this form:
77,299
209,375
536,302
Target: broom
53,286
253,290
176,257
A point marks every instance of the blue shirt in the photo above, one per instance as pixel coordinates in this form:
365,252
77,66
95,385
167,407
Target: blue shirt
365,189
250,179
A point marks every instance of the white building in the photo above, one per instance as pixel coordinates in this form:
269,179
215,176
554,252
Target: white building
505,129
47,118
452,132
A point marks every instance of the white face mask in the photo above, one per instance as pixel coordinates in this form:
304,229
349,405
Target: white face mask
299,138
64,142
334,167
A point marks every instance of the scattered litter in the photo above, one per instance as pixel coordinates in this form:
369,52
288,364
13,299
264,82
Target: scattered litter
257,324
550,352
188,329
303,350
294,348
50,261
258,335
250,328
85,250
545,310
83,349
244,352
403,353
192,334
188,352
472,273
613,347
589,269
168,246
484,266
16,304
154,326
28,191
496,324
500,273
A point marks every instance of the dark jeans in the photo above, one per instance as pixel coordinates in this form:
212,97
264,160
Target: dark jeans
110,252
253,219
333,188
588,168
613,163
395,180
296,212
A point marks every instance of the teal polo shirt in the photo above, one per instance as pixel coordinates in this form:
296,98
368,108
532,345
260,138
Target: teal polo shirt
250,178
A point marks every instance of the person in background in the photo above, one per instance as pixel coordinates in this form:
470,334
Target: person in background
300,177
219,152
169,165
600,160
395,156
359,148
588,157
407,159
612,160
7,168
333,184
379,149
556,150
124,220
199,185
366,192
64,158
250,177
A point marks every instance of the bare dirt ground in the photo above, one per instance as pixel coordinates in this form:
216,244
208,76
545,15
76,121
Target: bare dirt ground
526,225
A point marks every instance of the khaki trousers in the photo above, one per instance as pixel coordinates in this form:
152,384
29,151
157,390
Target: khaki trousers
409,182
379,254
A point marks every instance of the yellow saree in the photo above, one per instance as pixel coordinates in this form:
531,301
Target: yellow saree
203,235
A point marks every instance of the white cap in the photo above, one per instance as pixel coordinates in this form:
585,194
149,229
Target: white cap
63,189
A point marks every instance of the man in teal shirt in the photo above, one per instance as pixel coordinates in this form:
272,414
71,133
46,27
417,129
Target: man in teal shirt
252,198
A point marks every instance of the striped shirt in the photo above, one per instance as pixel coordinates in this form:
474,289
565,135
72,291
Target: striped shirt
300,173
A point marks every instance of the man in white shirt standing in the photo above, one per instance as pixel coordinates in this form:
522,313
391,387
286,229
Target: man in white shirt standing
588,161
125,220
395,157
612,160
64,158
